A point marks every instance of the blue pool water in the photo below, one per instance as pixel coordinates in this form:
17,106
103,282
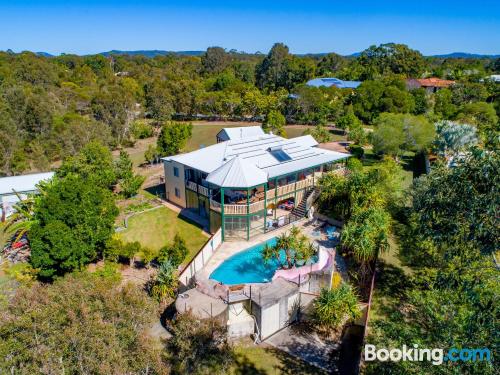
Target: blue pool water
248,266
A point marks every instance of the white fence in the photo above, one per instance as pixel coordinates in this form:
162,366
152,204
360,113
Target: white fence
200,259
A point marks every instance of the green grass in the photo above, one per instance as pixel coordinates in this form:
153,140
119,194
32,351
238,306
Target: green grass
260,360
157,228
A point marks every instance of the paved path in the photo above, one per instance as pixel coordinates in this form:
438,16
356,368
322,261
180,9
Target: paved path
306,345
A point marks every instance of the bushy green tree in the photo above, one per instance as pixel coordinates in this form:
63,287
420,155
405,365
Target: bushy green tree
175,253
453,295
320,133
141,130
482,115
215,60
375,97
73,221
391,58
199,347
129,182
274,122
279,69
443,107
173,137
395,133
94,164
82,323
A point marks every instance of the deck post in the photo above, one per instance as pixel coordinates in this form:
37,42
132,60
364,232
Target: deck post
248,214
222,212
265,210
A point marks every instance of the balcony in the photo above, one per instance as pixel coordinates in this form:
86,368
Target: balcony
197,188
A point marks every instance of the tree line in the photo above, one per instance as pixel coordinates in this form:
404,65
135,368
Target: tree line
50,107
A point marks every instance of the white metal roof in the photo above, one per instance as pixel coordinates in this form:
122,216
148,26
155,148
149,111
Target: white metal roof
240,132
23,183
256,153
237,173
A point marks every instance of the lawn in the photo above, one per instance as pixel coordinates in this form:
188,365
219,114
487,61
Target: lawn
259,360
157,228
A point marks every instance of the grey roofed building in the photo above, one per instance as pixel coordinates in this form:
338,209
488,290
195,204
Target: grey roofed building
236,184
259,152
331,81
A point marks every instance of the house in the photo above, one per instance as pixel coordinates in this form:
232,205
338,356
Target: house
228,134
429,84
15,187
492,78
251,183
329,82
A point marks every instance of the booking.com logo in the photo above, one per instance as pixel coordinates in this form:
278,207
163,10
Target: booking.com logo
435,356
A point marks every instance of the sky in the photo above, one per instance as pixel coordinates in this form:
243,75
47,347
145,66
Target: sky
307,26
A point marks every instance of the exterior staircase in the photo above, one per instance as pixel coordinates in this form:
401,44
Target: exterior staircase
301,208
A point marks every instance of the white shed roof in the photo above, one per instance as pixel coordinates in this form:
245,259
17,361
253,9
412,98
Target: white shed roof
267,153
23,183
240,132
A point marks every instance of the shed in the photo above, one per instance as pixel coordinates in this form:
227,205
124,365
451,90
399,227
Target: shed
14,187
228,134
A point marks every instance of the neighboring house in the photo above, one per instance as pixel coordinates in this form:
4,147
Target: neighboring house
331,81
12,187
229,134
429,84
251,184
493,78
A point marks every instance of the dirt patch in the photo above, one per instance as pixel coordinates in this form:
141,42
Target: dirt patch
336,146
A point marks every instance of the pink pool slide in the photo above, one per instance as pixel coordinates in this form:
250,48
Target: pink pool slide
323,262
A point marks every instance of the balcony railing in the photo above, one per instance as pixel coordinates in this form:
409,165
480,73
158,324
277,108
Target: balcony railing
244,208
203,190
199,188
191,185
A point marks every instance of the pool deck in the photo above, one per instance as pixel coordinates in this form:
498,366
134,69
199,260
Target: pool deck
207,299
229,248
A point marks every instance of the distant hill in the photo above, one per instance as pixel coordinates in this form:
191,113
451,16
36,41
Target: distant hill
453,55
152,53
465,55
45,54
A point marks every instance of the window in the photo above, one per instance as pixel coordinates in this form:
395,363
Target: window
177,193
176,172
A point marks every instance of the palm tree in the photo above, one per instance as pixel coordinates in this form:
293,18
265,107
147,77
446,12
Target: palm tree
294,245
165,283
366,234
334,307
23,217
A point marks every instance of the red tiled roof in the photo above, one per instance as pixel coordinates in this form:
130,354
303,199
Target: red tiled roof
434,82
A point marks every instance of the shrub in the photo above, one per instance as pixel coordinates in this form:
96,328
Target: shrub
141,130
335,307
175,253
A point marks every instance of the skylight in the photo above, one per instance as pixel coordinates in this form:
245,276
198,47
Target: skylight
280,155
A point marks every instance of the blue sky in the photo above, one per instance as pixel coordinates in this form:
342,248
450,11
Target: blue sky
347,26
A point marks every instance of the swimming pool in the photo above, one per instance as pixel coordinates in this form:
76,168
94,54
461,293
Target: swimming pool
248,266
